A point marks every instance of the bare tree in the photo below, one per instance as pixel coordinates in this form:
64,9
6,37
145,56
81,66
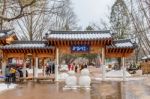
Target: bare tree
14,9
66,19
35,25
141,22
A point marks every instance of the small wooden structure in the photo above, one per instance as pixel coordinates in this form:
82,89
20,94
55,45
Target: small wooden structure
145,64
145,67
69,42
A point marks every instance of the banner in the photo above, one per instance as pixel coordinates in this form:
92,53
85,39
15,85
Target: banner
80,48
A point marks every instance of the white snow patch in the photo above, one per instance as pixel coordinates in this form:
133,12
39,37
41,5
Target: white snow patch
30,71
145,57
5,87
117,73
121,79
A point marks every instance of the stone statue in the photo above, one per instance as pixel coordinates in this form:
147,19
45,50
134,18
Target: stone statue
84,79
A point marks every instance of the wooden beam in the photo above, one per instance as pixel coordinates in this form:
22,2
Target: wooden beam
112,50
65,42
103,42
81,42
14,50
51,42
61,43
54,43
99,43
71,43
110,41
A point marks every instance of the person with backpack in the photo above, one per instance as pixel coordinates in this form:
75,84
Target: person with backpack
13,74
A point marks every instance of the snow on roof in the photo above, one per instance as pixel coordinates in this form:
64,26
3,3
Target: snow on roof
80,35
125,44
26,44
5,33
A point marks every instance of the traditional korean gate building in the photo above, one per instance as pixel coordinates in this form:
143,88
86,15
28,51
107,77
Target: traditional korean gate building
69,42
5,37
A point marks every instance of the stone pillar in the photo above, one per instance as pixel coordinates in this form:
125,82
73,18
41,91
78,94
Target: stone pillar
124,69
4,63
24,69
57,64
36,67
103,64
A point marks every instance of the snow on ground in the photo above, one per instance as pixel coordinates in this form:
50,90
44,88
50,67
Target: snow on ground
30,71
4,87
117,73
121,79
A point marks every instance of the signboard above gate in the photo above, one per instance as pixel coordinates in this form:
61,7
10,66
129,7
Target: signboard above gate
80,48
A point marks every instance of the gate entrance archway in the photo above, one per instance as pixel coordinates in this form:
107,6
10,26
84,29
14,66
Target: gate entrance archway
88,42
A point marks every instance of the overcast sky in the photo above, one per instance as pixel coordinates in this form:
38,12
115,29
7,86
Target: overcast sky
89,11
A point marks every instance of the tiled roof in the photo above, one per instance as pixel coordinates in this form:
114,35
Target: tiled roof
123,43
80,35
27,45
5,33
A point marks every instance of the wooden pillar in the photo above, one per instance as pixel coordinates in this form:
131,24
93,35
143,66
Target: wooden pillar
124,69
4,63
103,64
36,67
43,66
57,64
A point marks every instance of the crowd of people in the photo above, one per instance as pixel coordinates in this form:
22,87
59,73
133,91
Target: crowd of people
76,67
50,68
12,72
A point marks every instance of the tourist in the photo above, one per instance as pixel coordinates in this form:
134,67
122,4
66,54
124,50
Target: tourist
76,68
72,67
7,74
13,74
47,71
82,67
69,65
53,68
20,72
50,66
85,66
26,73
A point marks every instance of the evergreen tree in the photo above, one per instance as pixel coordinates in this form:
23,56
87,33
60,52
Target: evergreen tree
119,19
89,28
